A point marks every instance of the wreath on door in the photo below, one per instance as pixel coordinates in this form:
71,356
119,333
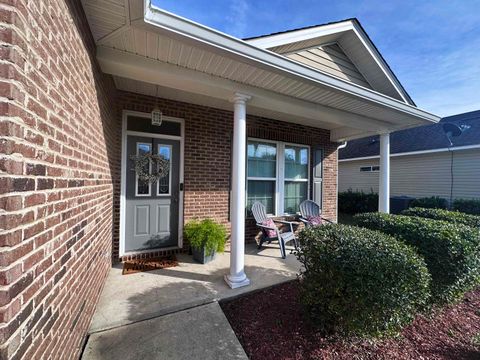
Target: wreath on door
160,167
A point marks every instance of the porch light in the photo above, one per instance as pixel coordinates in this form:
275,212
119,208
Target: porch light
157,115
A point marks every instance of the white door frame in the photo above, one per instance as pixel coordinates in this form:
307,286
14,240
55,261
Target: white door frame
123,184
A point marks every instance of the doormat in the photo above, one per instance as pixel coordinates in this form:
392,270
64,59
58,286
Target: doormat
140,265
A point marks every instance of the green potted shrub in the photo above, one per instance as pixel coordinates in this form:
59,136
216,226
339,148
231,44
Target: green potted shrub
206,238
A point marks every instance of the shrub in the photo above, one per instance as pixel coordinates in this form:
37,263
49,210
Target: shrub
449,216
206,234
451,251
433,202
355,202
360,282
469,206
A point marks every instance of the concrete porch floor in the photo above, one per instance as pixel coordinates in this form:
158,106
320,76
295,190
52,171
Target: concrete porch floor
132,298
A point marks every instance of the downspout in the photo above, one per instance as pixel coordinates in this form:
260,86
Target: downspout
341,146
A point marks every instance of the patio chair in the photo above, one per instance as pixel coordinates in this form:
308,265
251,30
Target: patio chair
270,231
309,209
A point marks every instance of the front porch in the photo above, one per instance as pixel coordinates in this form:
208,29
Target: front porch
232,96
131,298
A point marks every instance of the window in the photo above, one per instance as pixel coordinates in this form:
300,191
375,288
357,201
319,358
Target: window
369,168
277,175
262,174
143,187
164,184
296,177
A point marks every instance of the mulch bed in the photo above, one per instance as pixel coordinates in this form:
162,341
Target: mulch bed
140,265
270,325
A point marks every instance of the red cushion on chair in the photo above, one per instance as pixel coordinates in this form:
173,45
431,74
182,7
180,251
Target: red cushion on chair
314,220
270,223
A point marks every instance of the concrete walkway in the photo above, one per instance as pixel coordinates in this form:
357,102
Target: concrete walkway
130,298
199,333
174,313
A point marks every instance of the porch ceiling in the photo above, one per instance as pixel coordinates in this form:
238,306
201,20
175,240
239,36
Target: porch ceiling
148,46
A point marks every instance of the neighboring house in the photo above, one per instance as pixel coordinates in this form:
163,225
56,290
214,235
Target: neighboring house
79,82
423,162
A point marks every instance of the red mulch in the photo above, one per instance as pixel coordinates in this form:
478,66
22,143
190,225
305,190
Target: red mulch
270,325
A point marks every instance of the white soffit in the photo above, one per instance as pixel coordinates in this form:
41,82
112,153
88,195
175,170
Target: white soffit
153,47
105,16
150,89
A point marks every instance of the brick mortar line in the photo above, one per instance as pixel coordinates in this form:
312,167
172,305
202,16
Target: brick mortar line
21,86
26,210
11,248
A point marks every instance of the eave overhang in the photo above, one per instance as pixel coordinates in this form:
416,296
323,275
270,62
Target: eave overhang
274,82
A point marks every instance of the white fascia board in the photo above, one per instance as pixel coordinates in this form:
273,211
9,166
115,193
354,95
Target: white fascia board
246,52
420,152
271,41
380,62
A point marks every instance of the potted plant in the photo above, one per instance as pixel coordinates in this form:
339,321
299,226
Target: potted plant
206,238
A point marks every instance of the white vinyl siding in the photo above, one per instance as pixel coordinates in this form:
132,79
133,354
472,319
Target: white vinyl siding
418,175
332,60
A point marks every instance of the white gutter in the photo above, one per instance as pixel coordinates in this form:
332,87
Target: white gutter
420,152
160,18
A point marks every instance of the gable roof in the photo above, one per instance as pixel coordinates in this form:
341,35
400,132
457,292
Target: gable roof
422,138
147,48
350,35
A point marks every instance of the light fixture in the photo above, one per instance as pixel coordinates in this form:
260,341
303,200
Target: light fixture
157,115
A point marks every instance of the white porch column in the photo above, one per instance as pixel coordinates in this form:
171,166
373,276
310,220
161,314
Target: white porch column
237,277
384,185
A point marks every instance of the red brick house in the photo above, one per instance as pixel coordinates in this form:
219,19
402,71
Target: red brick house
243,120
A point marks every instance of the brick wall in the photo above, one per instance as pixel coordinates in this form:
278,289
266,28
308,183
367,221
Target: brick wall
60,180
208,134
59,153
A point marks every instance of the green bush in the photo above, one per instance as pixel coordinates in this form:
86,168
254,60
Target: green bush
356,202
451,251
449,216
469,206
360,282
433,202
206,234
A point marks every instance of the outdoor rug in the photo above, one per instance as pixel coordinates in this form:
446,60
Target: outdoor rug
135,266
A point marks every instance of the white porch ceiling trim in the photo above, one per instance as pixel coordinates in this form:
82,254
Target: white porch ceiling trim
123,64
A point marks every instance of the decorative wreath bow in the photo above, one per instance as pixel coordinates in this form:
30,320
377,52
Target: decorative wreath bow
160,167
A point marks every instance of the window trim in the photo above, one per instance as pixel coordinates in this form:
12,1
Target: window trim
280,174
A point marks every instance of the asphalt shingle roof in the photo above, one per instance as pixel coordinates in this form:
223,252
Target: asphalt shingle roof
426,137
